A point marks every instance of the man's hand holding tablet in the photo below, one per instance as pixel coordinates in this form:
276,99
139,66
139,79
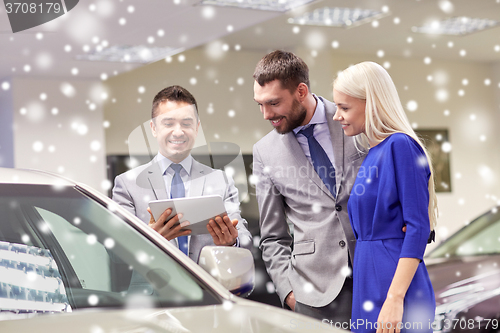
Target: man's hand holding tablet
193,215
169,227
223,230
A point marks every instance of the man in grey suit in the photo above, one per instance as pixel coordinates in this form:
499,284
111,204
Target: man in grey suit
174,124
309,265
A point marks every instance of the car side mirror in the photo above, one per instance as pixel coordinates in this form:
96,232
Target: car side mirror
233,267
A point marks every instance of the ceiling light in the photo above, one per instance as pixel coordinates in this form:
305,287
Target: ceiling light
338,17
131,54
271,5
456,26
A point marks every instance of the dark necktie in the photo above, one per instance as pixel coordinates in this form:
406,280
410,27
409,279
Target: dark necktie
177,191
321,163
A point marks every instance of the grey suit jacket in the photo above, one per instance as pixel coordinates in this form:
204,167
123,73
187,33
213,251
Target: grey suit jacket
135,188
290,192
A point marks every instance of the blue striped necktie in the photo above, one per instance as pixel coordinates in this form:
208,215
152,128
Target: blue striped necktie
177,191
321,163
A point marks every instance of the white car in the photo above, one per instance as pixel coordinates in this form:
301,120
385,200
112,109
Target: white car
71,260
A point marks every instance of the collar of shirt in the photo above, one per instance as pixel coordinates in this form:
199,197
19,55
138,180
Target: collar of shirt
321,132
165,163
319,116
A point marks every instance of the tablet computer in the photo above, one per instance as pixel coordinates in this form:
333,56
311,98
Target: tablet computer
197,210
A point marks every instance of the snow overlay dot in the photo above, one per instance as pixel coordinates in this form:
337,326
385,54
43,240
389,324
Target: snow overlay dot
95,145
412,106
37,146
368,306
93,300
91,239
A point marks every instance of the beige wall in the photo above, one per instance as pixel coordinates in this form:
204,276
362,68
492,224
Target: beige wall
214,80
475,166
69,142
496,110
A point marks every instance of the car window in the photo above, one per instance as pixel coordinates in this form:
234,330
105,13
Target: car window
100,260
480,237
89,258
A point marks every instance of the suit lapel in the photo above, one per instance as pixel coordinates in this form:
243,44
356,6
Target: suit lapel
337,136
156,181
197,179
292,145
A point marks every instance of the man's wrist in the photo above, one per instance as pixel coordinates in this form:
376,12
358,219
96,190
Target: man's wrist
288,297
290,300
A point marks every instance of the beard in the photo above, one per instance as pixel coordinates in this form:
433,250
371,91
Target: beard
295,119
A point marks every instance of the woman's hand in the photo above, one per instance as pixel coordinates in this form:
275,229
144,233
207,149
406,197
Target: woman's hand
391,315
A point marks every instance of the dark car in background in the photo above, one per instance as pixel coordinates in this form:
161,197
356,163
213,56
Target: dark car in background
465,273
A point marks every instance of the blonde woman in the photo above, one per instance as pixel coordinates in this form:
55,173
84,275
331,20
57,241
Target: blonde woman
394,188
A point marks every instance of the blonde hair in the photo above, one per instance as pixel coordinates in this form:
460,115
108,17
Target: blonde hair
384,114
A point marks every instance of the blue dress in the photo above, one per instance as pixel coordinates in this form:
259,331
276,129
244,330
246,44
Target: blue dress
390,191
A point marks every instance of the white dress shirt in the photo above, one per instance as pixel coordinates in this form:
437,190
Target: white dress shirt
168,173
321,132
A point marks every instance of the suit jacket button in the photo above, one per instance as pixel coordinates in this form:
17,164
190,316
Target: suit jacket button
338,208
342,243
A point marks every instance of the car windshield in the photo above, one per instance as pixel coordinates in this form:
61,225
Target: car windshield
61,250
480,237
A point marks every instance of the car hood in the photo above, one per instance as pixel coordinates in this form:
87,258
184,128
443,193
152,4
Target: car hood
240,316
462,283
26,176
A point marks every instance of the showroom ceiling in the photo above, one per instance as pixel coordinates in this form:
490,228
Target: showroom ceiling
120,35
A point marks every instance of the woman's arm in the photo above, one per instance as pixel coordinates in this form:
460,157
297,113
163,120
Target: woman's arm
411,177
391,314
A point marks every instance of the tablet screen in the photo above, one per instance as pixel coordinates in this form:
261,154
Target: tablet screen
197,210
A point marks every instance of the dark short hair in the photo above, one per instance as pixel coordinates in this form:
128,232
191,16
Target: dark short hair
172,94
284,66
